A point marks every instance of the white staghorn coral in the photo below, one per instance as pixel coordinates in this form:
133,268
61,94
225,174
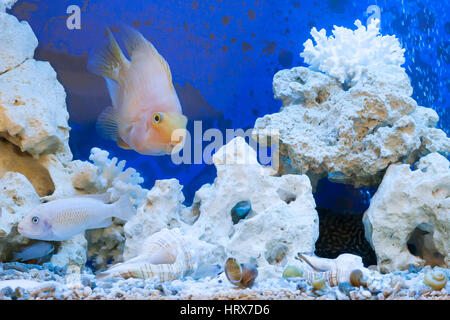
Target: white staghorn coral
347,55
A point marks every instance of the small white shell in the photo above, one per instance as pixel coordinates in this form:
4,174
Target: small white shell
165,255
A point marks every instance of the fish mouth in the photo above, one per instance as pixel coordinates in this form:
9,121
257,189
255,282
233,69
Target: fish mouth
176,120
177,133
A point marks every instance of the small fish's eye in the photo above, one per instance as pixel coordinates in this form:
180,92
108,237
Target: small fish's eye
35,220
157,117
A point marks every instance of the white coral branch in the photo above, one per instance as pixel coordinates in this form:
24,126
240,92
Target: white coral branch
115,179
347,54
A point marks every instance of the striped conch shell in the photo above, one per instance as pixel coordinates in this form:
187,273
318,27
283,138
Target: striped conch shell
166,255
335,271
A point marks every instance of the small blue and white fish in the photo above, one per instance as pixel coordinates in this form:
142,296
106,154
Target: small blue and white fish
38,250
62,219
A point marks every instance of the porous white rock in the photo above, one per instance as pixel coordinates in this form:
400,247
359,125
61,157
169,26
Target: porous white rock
17,198
411,207
347,54
17,38
72,252
351,135
282,215
33,113
34,132
283,209
161,209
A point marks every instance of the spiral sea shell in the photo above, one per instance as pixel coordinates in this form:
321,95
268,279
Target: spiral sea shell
334,271
165,255
435,279
242,275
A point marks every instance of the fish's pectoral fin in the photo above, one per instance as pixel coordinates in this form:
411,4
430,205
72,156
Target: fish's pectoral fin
122,144
108,60
108,124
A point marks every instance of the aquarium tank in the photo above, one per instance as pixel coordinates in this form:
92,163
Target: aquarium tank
224,149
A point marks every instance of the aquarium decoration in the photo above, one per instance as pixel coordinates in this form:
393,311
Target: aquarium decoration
348,116
241,210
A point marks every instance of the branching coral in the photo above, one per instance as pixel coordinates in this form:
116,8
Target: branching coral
347,54
113,179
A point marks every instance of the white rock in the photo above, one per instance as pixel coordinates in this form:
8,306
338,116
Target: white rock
282,209
411,206
33,113
18,41
161,209
352,136
17,198
282,213
71,253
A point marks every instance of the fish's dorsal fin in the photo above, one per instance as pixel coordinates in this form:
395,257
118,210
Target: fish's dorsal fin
132,39
108,60
135,41
108,124
104,197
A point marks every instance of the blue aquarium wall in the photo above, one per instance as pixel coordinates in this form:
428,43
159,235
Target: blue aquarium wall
223,55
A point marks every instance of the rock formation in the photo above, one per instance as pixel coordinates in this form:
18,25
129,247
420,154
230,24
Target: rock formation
409,216
349,132
283,220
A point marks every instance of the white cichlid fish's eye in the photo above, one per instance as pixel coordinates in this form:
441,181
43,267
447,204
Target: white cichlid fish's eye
157,117
35,220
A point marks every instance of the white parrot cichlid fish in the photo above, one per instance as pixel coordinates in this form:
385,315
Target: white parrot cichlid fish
146,114
62,219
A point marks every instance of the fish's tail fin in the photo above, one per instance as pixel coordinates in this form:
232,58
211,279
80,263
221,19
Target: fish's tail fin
108,60
123,208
